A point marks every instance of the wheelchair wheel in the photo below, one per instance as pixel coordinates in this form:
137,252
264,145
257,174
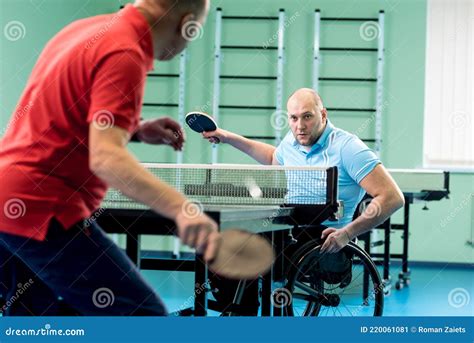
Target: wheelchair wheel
309,295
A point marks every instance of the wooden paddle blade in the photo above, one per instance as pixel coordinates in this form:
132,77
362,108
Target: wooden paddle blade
242,256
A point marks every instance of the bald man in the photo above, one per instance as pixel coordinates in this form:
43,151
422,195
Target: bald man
66,144
314,141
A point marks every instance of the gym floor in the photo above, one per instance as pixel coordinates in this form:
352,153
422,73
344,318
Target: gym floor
427,283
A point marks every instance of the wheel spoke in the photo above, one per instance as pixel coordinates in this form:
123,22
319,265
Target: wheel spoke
307,288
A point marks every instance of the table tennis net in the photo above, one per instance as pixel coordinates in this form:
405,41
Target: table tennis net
240,185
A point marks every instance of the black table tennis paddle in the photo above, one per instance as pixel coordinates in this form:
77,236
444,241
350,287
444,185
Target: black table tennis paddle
201,122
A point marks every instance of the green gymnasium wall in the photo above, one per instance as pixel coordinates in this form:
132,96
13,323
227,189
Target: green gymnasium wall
405,36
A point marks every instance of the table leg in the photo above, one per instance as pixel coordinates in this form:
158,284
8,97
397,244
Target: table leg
386,251
201,286
133,248
266,294
278,266
406,220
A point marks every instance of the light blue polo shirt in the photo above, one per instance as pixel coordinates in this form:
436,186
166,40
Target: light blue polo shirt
335,147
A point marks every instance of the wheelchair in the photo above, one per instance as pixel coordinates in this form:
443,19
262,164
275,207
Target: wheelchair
306,293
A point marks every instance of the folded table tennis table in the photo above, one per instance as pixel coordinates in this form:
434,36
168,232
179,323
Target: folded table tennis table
418,186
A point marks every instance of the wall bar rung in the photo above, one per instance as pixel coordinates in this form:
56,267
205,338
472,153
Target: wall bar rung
163,75
243,77
149,104
238,17
350,79
248,107
349,109
348,49
248,47
348,19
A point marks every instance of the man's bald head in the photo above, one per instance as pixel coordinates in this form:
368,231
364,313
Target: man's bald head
194,6
173,23
307,95
197,7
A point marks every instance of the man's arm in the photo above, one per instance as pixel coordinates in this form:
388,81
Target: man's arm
110,160
261,152
387,198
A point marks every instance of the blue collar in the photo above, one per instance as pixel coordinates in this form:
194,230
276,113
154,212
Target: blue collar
321,142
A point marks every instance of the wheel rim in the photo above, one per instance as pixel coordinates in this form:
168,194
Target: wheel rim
311,296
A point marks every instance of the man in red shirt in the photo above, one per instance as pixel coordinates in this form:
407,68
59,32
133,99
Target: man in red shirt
66,144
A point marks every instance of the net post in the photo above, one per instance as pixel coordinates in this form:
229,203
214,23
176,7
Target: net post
331,186
446,181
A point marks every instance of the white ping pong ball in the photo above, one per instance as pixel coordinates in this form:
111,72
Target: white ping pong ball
255,192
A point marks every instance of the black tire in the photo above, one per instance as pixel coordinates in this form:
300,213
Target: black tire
308,295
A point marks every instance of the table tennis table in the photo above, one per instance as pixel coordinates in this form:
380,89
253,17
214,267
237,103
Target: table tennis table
418,186
265,215
231,205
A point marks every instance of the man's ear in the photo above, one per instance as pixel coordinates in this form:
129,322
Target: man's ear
324,113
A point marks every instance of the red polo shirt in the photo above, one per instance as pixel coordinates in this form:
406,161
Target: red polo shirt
93,70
